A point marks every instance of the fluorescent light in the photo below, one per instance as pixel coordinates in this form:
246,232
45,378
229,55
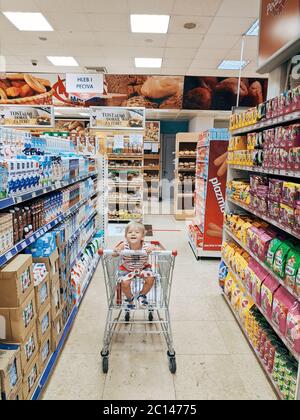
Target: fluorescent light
84,114
63,61
254,30
150,24
232,65
152,63
29,21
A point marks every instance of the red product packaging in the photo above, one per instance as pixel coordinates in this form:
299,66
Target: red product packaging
275,189
259,276
283,302
249,276
293,327
295,99
268,289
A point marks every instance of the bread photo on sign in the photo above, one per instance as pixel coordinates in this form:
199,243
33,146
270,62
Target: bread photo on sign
23,88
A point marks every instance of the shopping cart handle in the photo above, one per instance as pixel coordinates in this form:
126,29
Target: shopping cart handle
111,252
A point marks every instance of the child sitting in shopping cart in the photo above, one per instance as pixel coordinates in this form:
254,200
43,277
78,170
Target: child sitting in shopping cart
135,266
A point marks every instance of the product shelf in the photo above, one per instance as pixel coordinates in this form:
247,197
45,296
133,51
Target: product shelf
124,157
269,376
265,267
265,218
19,199
151,168
16,249
260,170
55,356
273,122
82,226
84,246
274,327
200,253
125,168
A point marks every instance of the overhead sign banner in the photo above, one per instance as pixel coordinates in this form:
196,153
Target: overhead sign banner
118,118
84,83
27,116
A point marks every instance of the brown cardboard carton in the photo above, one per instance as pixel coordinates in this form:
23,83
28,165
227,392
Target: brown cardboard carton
29,349
31,378
17,395
57,332
42,295
16,281
15,323
10,369
56,304
44,324
45,352
52,265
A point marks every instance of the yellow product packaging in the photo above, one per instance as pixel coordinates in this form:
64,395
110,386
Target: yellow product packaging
236,297
246,305
228,286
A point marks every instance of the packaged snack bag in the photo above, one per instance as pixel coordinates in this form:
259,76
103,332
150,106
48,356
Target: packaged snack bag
280,259
293,327
290,192
273,247
236,297
297,216
275,189
245,307
283,302
229,281
274,209
297,285
287,215
258,278
291,269
249,276
268,290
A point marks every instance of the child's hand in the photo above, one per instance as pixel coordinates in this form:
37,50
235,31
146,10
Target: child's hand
150,249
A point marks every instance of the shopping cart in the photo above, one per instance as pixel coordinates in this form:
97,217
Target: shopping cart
156,318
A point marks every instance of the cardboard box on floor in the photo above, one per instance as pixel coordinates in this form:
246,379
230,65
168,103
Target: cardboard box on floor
42,295
44,324
29,349
56,304
57,332
31,378
16,323
45,352
16,281
52,265
10,369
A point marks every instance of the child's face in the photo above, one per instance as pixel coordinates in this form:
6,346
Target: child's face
135,236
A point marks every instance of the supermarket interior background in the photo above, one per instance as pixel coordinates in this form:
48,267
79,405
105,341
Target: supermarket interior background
183,115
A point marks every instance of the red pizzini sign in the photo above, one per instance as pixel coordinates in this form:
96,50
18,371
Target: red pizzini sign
216,193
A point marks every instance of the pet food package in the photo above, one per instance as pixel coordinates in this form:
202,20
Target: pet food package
249,276
280,259
293,327
258,279
274,245
291,268
268,290
283,302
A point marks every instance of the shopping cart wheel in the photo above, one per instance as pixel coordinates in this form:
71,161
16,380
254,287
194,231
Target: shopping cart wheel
151,316
127,316
172,363
105,364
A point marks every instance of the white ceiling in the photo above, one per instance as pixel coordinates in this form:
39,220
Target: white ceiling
97,33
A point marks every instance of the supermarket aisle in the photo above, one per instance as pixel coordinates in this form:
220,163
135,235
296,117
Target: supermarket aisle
214,360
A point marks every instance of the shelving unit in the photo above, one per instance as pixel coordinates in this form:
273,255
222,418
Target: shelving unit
152,161
234,206
205,236
184,204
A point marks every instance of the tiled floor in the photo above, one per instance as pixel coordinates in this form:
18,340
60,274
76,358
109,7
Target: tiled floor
214,360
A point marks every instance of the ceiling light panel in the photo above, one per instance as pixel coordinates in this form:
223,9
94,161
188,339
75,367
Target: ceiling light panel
232,65
254,30
29,21
150,24
151,63
63,61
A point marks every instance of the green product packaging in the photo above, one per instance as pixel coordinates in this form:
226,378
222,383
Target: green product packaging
292,267
281,259
274,245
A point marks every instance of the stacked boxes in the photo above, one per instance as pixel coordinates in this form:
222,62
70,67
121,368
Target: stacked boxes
10,373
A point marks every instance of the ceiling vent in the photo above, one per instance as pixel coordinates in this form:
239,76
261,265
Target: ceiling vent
96,69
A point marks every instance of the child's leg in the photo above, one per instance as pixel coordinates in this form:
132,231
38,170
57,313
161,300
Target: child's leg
126,288
149,282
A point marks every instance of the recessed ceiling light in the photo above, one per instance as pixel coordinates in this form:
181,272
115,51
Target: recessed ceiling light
150,24
152,63
29,21
232,65
63,61
149,40
254,30
43,38
190,25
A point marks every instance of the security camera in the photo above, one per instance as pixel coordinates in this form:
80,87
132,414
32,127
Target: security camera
34,63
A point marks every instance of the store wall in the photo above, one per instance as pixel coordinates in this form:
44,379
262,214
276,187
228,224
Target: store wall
174,127
199,124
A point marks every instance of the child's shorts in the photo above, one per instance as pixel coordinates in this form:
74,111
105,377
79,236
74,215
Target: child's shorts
125,275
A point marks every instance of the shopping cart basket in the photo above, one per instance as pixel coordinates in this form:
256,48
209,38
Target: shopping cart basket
156,318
